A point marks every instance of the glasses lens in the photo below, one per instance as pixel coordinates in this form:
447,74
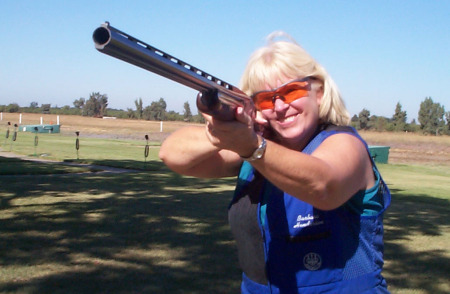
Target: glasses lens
263,100
294,91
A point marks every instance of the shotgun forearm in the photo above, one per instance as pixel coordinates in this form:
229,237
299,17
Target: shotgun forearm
216,97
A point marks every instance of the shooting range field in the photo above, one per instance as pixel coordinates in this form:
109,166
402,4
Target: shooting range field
143,229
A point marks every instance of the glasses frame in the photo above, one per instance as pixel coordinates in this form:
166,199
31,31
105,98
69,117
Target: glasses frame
276,91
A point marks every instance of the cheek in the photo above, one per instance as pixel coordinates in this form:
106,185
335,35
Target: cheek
301,104
305,103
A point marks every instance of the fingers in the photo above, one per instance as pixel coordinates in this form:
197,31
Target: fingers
259,119
243,117
207,117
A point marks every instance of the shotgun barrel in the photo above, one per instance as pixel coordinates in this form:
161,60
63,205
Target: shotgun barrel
216,97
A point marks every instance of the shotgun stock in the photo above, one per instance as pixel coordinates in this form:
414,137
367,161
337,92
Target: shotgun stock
216,97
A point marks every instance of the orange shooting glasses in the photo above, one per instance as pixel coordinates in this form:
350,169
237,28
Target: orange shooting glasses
288,92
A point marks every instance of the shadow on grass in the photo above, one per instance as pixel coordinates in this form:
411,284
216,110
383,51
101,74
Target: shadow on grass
127,164
410,218
17,166
142,232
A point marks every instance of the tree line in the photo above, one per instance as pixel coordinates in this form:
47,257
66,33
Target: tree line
97,106
432,120
432,117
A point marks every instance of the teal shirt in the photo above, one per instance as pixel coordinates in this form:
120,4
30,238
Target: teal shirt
367,202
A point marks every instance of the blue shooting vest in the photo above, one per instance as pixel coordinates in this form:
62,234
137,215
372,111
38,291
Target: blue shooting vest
308,250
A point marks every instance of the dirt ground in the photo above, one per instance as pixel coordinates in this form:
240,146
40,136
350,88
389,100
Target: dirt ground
404,147
412,148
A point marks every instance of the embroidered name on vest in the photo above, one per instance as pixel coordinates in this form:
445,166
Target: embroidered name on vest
308,220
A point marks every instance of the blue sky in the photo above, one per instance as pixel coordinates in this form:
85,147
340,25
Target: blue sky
378,52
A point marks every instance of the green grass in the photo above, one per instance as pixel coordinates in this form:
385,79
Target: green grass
433,181
153,231
62,147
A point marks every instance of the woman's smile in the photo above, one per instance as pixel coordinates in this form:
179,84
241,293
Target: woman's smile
286,121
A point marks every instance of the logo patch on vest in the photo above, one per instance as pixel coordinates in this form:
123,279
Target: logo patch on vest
312,261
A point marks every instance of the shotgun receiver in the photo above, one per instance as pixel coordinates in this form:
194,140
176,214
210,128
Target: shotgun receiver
216,97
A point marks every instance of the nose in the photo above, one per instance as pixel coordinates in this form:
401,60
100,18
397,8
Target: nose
279,104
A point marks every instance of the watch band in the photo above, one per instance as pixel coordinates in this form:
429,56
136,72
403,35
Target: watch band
259,152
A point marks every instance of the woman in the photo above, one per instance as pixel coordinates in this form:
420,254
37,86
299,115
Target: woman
308,205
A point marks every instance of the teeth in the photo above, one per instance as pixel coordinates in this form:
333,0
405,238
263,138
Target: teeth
288,119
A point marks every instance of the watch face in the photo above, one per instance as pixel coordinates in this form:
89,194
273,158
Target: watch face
259,153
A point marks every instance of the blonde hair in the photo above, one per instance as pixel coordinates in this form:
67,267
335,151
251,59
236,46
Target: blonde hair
279,60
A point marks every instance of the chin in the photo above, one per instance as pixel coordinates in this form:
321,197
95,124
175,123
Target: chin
291,132
290,135
295,137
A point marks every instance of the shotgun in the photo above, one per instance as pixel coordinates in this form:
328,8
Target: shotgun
215,97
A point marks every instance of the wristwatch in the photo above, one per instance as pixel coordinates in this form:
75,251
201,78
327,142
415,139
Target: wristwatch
258,153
